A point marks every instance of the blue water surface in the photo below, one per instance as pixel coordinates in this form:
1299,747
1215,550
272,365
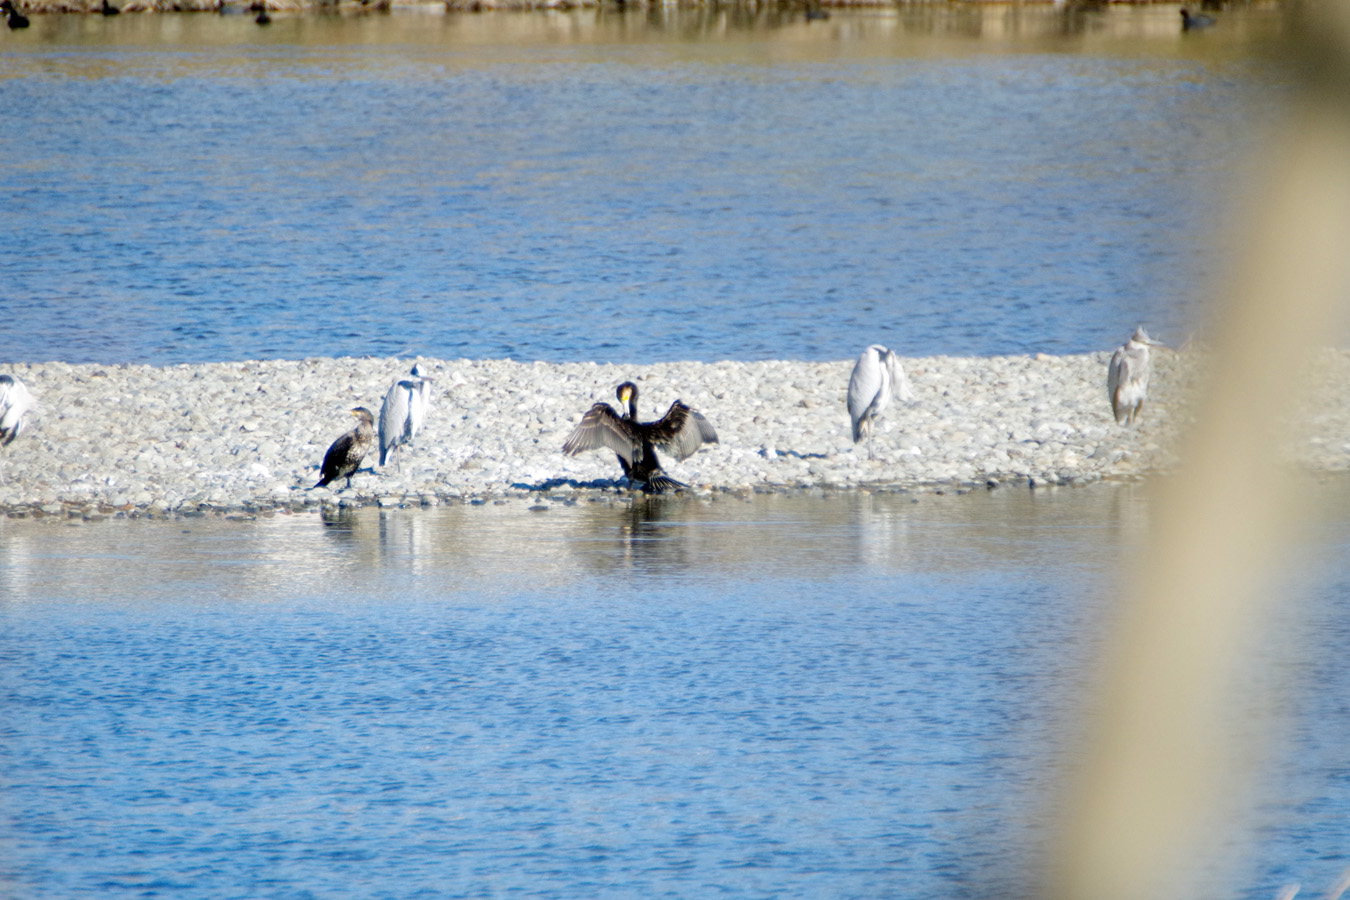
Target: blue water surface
850,697
205,190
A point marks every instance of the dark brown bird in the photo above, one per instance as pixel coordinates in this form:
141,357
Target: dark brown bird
13,18
1190,22
680,431
345,456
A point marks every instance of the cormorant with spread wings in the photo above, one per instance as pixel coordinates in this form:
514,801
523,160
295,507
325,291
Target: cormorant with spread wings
681,431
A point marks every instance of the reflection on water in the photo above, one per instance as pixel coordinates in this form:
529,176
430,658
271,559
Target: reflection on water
845,696
931,27
567,545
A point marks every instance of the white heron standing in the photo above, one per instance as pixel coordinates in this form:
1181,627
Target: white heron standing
1127,376
14,402
877,377
404,410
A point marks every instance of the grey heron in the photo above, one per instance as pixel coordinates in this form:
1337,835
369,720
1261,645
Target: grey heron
877,377
404,411
681,431
14,402
345,455
1127,376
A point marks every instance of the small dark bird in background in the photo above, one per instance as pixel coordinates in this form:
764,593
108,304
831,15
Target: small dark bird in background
1194,23
261,9
13,18
109,9
815,14
345,456
681,431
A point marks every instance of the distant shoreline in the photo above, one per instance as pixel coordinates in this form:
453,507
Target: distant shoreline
247,437
95,7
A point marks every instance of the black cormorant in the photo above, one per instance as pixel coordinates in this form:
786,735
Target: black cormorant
1191,23
345,456
13,17
109,9
681,431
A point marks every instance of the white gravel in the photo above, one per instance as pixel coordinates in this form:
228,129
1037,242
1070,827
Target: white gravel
248,436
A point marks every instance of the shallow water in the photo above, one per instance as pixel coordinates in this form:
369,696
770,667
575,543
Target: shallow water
853,696
623,188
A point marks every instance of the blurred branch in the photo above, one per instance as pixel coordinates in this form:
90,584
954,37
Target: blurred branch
1158,770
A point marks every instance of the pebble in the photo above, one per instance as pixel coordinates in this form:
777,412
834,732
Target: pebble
248,437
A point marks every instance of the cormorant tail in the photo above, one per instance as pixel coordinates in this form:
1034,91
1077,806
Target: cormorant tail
659,483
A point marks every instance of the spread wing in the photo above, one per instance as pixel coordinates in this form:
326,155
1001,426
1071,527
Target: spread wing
681,431
602,427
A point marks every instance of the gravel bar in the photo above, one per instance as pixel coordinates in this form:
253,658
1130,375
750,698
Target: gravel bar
245,438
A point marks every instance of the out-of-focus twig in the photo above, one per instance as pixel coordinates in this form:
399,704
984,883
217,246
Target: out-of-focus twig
1157,770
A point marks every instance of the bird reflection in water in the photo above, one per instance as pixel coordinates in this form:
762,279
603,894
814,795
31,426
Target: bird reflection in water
647,542
339,521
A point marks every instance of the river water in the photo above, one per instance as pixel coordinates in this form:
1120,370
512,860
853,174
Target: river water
616,187
810,697
855,696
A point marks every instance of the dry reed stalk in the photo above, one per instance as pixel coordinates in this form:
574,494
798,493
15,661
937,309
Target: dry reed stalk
1160,771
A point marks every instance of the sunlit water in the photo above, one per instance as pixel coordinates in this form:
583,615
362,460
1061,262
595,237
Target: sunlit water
629,188
854,696
858,696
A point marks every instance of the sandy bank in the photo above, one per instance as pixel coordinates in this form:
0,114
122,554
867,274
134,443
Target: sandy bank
248,436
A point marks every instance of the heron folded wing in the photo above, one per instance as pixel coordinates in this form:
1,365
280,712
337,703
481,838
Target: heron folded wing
1113,373
864,387
602,427
394,415
1127,381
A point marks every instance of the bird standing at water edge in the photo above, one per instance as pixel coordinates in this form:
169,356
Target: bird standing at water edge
13,18
877,377
403,412
345,455
1127,376
681,431
14,402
